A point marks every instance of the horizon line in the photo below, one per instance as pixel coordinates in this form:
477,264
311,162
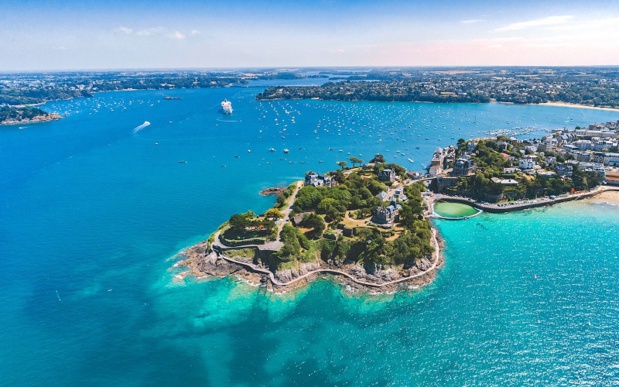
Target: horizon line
156,69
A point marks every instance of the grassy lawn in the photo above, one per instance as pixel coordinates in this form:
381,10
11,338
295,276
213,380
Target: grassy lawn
287,265
242,254
232,234
350,222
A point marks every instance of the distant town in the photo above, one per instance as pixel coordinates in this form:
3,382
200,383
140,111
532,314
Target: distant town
503,169
589,86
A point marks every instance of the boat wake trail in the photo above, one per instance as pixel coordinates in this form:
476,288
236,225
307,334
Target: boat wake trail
138,128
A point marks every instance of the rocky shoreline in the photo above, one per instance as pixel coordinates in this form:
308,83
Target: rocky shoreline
272,191
33,120
200,262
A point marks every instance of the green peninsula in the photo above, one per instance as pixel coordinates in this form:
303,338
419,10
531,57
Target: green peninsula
25,115
368,226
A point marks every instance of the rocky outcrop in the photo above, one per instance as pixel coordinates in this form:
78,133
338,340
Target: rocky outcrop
272,191
33,120
291,274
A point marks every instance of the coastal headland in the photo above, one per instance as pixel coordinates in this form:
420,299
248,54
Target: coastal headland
366,227
25,115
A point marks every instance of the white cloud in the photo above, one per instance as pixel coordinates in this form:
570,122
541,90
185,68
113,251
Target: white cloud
472,21
178,35
125,30
587,25
158,31
150,31
547,21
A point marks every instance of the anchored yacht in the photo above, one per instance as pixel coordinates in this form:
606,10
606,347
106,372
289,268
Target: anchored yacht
226,106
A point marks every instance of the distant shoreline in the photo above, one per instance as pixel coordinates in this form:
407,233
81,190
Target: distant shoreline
555,104
35,120
576,105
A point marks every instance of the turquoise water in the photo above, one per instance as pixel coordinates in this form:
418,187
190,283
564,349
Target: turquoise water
91,213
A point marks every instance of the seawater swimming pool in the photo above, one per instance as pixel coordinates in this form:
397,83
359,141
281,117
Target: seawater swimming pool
453,210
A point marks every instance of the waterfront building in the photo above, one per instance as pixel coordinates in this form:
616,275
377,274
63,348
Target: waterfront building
399,195
387,215
386,174
463,166
601,145
612,178
503,146
595,133
435,170
611,159
584,156
564,170
526,163
598,157
312,178
550,142
471,147
550,160
507,182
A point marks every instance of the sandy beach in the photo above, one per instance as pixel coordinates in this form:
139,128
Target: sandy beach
574,105
610,197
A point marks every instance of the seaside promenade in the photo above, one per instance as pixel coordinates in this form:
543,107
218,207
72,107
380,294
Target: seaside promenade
437,253
431,199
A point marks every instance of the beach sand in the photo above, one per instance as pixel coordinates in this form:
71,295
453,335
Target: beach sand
610,197
574,105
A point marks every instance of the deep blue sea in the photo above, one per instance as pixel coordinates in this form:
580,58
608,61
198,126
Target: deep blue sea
91,213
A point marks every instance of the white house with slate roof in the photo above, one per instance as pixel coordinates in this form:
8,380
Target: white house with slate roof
312,178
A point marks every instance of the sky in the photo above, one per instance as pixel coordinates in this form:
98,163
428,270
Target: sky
96,35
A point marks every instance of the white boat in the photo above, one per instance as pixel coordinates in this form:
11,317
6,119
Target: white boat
226,106
286,150
138,128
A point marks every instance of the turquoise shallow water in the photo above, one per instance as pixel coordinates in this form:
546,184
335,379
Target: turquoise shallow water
91,212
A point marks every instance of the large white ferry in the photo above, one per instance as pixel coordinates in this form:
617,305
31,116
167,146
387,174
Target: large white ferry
226,106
